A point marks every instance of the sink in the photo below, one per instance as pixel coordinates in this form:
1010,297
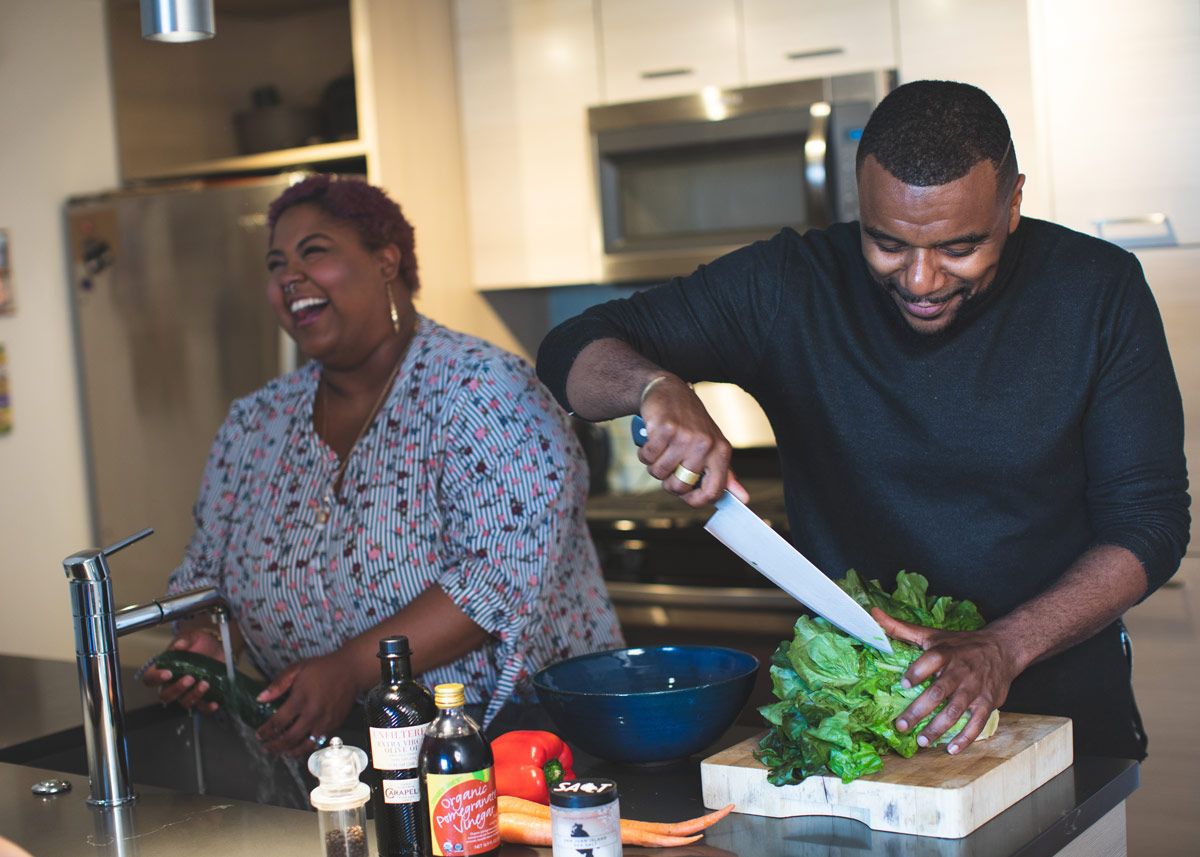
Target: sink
163,752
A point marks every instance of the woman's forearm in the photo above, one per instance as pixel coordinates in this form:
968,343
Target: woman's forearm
438,632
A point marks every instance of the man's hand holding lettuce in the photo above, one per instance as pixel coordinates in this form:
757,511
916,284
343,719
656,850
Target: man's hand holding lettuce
839,700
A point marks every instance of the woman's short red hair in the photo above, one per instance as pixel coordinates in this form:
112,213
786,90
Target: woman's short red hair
374,215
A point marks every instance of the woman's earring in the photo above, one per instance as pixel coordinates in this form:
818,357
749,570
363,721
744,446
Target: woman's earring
392,305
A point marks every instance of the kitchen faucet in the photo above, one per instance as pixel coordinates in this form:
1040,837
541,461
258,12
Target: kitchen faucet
97,626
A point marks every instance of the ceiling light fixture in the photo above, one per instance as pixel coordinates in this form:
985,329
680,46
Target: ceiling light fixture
177,20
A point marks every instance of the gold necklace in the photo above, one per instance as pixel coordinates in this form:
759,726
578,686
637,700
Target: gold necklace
323,515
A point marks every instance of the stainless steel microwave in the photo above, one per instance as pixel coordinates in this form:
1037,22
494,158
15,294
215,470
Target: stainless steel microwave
683,180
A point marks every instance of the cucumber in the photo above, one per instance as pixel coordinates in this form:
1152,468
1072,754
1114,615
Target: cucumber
238,699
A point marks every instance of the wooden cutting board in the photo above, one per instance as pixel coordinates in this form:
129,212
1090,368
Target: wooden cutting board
931,794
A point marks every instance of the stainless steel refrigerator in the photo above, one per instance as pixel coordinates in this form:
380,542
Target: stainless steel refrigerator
172,323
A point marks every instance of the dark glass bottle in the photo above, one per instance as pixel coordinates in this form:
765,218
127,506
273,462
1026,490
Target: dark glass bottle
399,710
457,782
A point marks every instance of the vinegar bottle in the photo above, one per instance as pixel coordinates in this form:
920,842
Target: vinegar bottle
457,781
399,710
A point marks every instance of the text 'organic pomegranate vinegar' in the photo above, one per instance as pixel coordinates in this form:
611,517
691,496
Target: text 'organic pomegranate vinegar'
399,710
457,781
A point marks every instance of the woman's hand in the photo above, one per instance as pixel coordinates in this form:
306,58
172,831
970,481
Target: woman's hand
186,690
320,693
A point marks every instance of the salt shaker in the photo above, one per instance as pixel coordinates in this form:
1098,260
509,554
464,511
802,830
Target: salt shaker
341,799
585,818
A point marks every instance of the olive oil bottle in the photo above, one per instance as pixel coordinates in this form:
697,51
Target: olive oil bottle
457,781
399,710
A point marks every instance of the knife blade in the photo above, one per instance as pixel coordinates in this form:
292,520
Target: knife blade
770,554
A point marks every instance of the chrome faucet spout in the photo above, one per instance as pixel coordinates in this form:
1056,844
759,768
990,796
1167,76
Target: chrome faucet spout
167,609
97,626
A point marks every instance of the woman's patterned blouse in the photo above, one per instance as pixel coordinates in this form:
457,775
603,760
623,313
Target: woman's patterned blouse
469,478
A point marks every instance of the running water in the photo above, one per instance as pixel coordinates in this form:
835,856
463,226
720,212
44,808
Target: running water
278,780
227,645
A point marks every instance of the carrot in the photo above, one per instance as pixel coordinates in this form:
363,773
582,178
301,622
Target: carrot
633,836
679,828
521,829
507,803
518,828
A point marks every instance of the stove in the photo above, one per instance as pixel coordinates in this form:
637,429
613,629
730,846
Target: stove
663,570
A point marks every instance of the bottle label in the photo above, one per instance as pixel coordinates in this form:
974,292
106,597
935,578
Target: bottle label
401,791
396,749
463,818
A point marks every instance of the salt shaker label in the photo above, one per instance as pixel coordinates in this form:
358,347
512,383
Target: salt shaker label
585,819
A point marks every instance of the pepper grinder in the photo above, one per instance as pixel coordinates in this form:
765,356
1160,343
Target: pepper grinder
340,799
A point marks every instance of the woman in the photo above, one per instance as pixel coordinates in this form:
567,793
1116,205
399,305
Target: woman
408,480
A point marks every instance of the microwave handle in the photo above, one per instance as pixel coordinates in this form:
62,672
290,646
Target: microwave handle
666,72
815,149
814,54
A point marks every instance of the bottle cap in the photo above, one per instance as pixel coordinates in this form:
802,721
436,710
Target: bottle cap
337,768
449,695
583,793
394,647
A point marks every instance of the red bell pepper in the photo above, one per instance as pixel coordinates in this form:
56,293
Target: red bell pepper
530,763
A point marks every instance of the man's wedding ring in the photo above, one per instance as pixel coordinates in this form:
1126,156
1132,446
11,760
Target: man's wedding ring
687,477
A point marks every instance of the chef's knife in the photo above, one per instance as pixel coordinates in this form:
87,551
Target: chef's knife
748,535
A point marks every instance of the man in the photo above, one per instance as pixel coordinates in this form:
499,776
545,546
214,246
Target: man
956,391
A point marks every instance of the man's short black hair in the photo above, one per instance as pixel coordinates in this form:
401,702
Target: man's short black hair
932,132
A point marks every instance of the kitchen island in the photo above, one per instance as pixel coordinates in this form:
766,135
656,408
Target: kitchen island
1079,813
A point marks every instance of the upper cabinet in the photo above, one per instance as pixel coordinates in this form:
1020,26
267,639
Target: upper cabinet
667,47
275,88
795,39
527,73
529,69
955,40
1122,111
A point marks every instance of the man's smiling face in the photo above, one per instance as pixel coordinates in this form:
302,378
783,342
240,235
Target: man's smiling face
933,249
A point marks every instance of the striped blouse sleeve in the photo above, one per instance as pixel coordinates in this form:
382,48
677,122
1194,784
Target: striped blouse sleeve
203,559
503,496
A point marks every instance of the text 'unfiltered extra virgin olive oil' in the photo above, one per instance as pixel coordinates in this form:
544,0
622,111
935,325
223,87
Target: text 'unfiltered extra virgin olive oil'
399,711
458,782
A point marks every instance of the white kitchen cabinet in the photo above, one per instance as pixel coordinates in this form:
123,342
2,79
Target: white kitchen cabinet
796,39
1171,273
959,40
668,47
527,72
1122,111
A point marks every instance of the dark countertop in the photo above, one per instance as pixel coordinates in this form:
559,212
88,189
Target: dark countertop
42,700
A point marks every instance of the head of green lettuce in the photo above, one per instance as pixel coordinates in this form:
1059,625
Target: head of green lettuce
839,699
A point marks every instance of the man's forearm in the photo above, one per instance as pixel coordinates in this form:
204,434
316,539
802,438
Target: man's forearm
607,379
1100,585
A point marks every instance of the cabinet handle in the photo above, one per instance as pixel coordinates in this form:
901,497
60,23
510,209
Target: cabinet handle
818,52
1164,236
666,72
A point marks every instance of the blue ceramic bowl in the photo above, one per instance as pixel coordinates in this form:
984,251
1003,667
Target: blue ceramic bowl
646,706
